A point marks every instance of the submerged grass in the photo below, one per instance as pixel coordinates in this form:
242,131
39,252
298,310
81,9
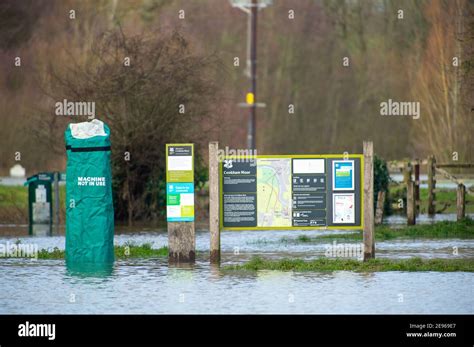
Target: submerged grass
373,265
121,252
463,229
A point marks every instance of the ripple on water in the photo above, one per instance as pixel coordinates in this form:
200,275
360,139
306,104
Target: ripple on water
150,286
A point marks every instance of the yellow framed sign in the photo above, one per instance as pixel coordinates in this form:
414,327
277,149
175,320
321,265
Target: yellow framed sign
267,192
180,182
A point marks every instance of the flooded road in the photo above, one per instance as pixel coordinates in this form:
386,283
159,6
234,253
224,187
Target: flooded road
150,286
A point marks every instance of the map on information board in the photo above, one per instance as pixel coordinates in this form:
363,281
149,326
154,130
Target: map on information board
274,192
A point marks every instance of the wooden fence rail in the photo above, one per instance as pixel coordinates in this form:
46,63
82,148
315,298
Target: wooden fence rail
456,166
411,168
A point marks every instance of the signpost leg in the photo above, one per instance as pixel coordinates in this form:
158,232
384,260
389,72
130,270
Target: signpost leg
431,185
461,201
369,242
411,203
417,186
181,242
214,225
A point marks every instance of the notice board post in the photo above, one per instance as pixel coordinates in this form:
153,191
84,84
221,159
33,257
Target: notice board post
214,223
180,202
368,237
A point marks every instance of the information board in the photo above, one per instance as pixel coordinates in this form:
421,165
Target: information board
180,182
291,192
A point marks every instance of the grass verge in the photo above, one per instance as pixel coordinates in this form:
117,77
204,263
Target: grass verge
373,265
121,252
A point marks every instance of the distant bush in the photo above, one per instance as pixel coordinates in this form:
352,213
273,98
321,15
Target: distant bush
381,182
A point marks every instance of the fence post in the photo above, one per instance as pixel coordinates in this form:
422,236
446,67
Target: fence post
411,205
417,186
379,209
368,237
461,201
407,172
431,185
214,222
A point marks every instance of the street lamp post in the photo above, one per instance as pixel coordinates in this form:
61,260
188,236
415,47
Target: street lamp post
251,7
251,140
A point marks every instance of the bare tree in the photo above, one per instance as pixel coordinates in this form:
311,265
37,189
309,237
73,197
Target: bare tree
151,90
445,126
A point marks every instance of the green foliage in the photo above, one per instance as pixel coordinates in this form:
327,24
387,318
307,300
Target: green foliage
304,238
201,172
398,193
373,265
14,196
381,182
131,250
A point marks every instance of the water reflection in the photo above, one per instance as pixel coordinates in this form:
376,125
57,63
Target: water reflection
80,269
215,272
181,265
149,286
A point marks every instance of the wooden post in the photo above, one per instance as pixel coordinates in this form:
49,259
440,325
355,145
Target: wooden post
379,209
431,185
411,206
417,186
368,237
407,172
461,201
181,242
56,203
214,222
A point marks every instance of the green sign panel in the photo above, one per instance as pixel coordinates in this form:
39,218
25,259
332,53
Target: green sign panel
180,182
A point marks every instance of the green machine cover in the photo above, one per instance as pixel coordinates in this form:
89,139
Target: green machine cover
89,205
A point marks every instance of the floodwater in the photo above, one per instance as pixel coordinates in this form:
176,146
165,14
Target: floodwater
151,286
400,219
440,183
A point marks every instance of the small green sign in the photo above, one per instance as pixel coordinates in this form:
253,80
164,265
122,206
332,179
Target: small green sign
172,199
